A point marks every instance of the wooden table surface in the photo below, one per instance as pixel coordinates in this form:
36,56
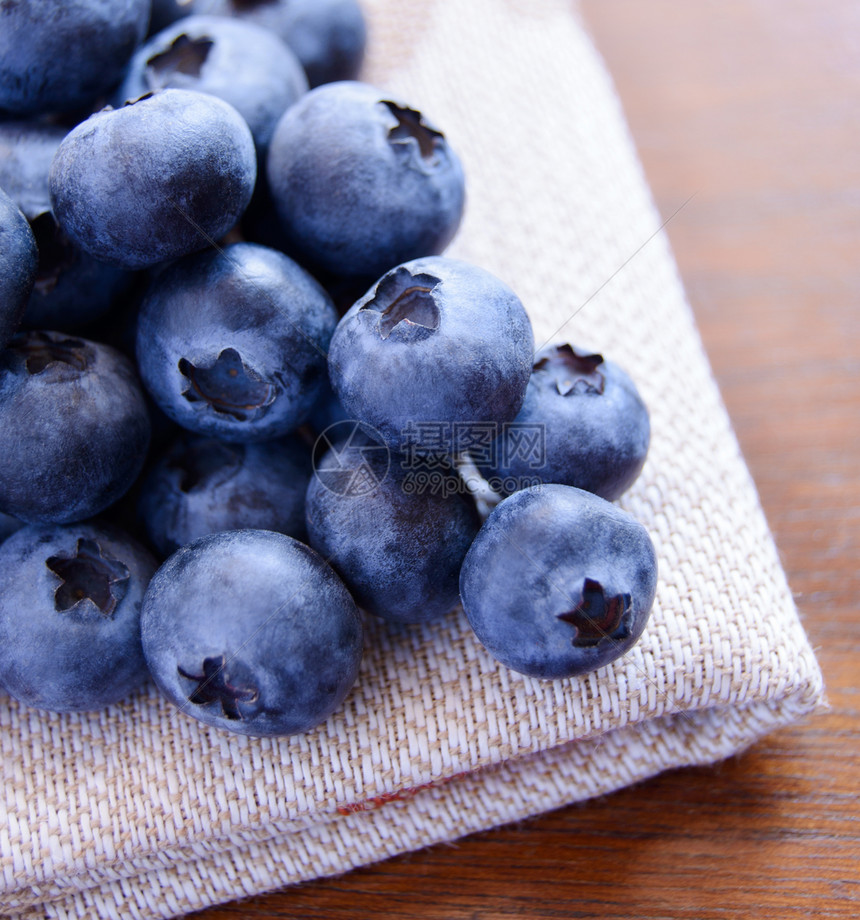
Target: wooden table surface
755,106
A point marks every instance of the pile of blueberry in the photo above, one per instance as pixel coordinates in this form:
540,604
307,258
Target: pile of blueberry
230,344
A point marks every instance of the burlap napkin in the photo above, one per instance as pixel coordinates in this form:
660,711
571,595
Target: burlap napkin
140,812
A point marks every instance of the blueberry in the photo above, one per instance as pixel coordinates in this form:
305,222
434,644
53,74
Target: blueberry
328,410
202,486
166,12
396,532
75,427
72,288
362,182
558,582
55,57
154,180
236,61
233,343
591,419
252,632
70,601
18,262
327,36
435,347
8,526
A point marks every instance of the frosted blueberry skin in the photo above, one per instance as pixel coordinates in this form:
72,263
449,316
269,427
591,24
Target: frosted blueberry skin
595,425
75,427
236,61
361,182
70,601
233,343
203,485
154,180
18,263
435,341
72,288
327,36
558,582
55,57
250,631
397,546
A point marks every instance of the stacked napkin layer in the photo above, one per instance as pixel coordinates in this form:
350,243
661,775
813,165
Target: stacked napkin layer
138,811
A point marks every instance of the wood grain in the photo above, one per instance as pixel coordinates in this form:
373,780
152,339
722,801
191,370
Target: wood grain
754,105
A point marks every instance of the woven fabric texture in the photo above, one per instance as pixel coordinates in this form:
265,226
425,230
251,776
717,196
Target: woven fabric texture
139,812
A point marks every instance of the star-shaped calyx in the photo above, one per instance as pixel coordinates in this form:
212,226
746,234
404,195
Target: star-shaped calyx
227,385
411,125
405,302
88,574
42,349
214,687
574,372
185,55
597,617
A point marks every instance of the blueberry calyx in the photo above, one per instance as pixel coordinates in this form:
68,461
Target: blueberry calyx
227,386
88,574
597,617
405,302
214,687
42,349
575,371
411,126
185,55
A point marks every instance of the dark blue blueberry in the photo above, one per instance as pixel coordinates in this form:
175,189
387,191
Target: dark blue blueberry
70,601
260,224
18,262
236,61
327,36
72,288
55,57
396,532
361,182
252,632
328,410
202,486
75,427
592,424
8,526
558,582
166,12
154,180
233,343
435,346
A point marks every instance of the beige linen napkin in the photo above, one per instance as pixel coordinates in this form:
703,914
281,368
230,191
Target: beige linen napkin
138,811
